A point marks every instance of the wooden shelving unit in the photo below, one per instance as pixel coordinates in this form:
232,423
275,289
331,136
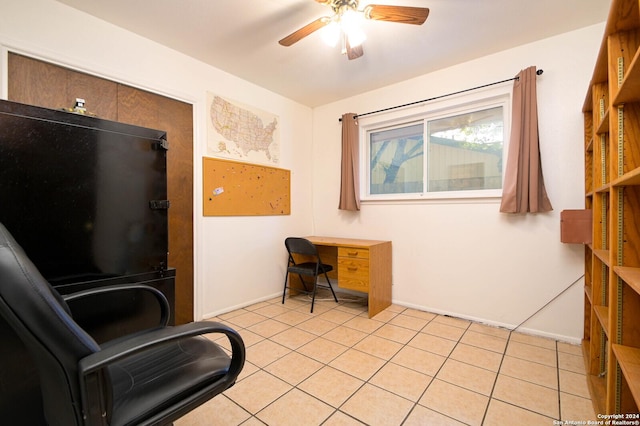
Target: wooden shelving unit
611,343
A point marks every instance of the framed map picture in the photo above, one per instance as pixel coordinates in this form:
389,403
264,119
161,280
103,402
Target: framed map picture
241,132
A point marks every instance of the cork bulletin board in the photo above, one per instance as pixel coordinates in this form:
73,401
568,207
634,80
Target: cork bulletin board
233,188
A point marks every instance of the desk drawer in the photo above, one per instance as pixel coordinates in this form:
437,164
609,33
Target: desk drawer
353,274
353,252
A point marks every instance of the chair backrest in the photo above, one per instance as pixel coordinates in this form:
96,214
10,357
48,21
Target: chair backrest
300,246
41,319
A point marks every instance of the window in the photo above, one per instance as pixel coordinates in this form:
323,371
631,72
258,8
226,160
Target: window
397,160
454,152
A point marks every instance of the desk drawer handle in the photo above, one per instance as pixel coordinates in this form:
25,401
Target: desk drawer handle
352,253
352,268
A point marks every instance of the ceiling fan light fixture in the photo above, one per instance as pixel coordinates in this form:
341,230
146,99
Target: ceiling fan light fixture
346,24
356,37
351,25
331,33
350,20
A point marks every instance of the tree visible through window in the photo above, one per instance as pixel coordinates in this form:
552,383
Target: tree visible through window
456,152
397,160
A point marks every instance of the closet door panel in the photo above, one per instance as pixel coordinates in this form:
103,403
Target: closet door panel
176,118
47,85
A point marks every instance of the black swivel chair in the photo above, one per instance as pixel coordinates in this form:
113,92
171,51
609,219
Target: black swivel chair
151,377
311,266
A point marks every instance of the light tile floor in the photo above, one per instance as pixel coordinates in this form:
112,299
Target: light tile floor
402,367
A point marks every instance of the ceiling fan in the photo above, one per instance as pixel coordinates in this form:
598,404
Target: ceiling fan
343,25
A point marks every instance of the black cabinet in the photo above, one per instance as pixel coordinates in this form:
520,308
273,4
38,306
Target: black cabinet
87,200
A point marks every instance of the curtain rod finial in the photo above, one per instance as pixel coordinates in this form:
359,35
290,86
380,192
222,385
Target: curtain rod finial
539,72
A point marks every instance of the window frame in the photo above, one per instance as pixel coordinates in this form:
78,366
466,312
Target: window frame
449,107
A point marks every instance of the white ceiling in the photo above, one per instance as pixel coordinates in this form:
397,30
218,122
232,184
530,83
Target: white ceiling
241,37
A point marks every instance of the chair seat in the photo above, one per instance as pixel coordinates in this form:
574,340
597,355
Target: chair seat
309,268
161,376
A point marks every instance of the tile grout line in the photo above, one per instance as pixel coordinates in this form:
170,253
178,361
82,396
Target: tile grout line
364,382
335,409
415,404
504,354
262,368
354,314
558,377
386,362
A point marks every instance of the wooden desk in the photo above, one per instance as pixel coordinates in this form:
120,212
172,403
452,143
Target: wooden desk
361,265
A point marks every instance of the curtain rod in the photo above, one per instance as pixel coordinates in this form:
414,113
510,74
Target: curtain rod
538,72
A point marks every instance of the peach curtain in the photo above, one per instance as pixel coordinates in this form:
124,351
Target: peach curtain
523,190
349,182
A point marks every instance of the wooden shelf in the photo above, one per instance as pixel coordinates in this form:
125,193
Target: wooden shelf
629,361
602,313
630,275
631,178
604,124
598,389
620,320
585,352
630,88
603,255
588,291
588,106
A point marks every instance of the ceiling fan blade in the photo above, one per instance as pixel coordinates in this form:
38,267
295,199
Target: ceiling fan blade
401,14
305,31
354,52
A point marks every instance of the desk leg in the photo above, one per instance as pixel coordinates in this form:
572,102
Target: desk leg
380,278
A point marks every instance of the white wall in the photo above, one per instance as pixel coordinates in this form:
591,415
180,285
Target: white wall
465,258
237,260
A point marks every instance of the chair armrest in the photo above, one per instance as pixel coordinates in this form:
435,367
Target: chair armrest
165,309
139,343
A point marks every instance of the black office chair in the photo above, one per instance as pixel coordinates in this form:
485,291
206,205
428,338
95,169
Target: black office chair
310,266
151,377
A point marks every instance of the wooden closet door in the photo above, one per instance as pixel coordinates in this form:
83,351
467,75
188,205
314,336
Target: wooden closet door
176,118
43,84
